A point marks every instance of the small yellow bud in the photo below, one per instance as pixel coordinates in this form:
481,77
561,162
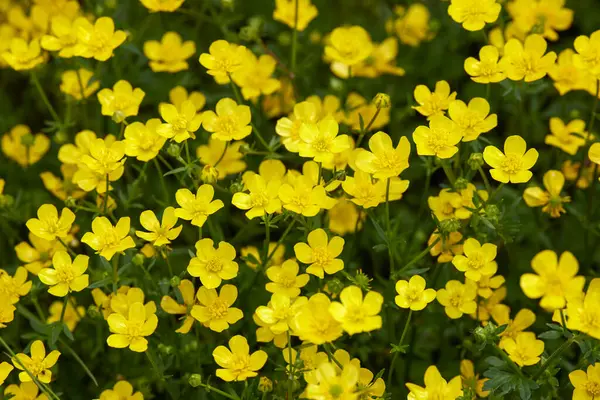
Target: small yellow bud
209,174
382,100
265,385
195,380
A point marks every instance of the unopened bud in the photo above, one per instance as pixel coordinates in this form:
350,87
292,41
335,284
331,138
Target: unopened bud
209,174
166,349
461,184
93,312
449,225
265,385
174,150
61,137
118,116
175,281
335,286
195,380
382,100
138,260
475,161
236,187
492,213
6,200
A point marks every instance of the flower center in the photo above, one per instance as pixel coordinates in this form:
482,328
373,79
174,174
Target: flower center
180,124
593,388
320,145
259,199
355,314
438,140
287,281
455,300
476,261
321,256
214,265
65,275
227,124
388,160
218,309
336,390
511,164
240,362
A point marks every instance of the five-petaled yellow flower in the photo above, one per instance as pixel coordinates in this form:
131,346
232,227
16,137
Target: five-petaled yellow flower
161,233
321,253
214,310
439,139
515,164
196,209
262,199
458,298
436,387
213,265
587,49
349,45
223,59
321,141
567,137
435,103
527,61
314,323
230,122
131,330
22,55
97,40
180,123
107,239
65,276
524,349
384,161
487,68
355,313
170,54
38,364
142,141
474,14
412,294
550,199
587,385
76,83
48,225
122,101
285,279
474,119
237,364
478,259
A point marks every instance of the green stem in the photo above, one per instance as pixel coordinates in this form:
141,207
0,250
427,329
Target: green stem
331,356
64,308
395,357
449,173
67,248
38,309
105,200
162,180
500,186
281,239
294,39
366,129
488,91
420,255
256,132
166,258
80,361
388,225
159,374
291,376
550,360
51,109
222,154
507,359
115,265
486,182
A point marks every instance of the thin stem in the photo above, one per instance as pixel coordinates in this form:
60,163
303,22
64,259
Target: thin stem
115,265
404,331
500,186
188,159
79,360
507,359
166,258
331,356
267,220
281,239
420,255
38,309
105,200
290,388
486,182
40,89
67,248
550,360
320,173
488,91
366,129
222,155
159,374
238,97
389,224
449,173
162,180
64,308
294,38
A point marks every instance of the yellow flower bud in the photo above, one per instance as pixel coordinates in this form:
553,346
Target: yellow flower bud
382,100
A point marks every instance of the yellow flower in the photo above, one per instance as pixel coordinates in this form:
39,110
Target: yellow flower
22,56
321,142
305,112
514,164
285,279
122,101
439,139
170,54
227,154
214,310
304,197
412,294
72,316
436,387
355,313
446,248
310,357
162,5
357,108
262,199
582,310
321,253
122,390
345,217
524,349
550,200
527,60
131,331
277,256
587,385
38,254
587,49
458,298
571,170
223,59
280,311
364,190
265,335
230,122
331,384
381,61
555,280
213,265
107,239
12,288
84,141
62,188
447,205
470,380
255,77
285,12
143,141
7,315
473,14
38,364
433,103
180,123
24,391
486,284
523,320
474,119
5,369
567,76
103,164
487,305
349,45
98,40
197,208
169,305
238,364
63,37
179,94
413,26
314,323
48,225
486,69
161,233
281,102
477,261
569,138
594,153
66,276
384,161
546,16
24,154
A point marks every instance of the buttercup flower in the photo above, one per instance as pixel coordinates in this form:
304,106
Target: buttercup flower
62,37
255,78
474,119
487,284
523,320
143,141
214,310
107,239
321,253
349,45
331,384
413,26
230,122
384,161
170,54
285,279
412,294
473,14
5,369
567,76
436,387
160,233
545,16
321,141
7,315
278,314
73,313
514,164
583,311
169,305
48,225
38,364
587,49
567,137
131,331
525,349
237,363
439,139
447,248
314,323
527,60
66,276
223,59
262,199
381,61
587,385
122,101
197,208
227,154
285,12
458,298
355,313
24,391
550,200
98,40
22,55
121,390
470,380
433,103
25,155
288,128
555,280
181,124
179,94
213,265
487,68
478,260
12,288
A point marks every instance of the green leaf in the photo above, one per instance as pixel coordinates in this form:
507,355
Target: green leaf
551,335
57,328
399,349
67,332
